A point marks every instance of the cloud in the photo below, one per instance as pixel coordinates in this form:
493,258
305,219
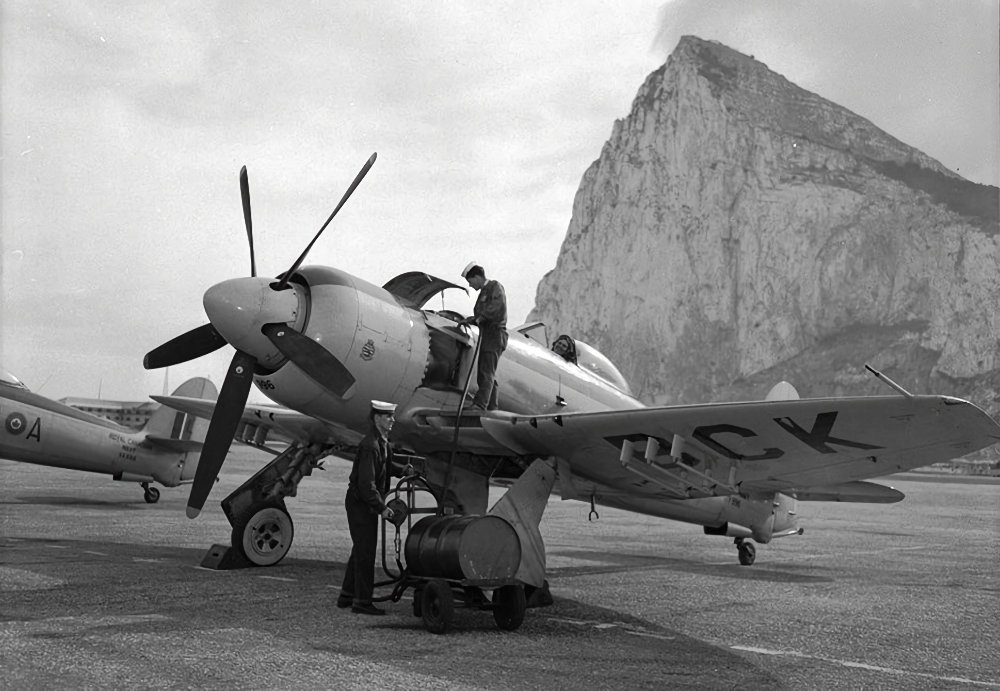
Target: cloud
135,119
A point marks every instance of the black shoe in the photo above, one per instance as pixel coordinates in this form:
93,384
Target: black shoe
344,602
367,609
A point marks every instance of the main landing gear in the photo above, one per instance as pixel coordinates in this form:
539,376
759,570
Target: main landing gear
263,534
262,528
747,551
150,494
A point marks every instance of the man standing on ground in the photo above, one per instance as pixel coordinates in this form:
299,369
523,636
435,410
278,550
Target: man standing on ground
490,315
365,500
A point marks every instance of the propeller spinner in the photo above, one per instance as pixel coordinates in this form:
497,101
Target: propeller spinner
259,317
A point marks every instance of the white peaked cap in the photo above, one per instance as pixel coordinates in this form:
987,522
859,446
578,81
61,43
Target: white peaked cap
468,268
383,407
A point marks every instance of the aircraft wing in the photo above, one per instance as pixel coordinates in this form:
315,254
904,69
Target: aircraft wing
762,446
280,424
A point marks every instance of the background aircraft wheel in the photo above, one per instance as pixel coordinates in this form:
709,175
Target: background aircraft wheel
263,534
509,605
437,604
151,495
747,552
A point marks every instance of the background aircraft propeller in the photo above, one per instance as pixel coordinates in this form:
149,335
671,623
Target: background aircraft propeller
305,353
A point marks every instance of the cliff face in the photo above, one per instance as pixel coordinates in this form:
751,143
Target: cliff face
738,230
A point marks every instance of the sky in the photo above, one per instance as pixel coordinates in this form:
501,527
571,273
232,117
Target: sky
124,126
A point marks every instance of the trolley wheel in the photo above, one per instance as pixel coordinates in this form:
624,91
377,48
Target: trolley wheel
418,596
437,604
509,605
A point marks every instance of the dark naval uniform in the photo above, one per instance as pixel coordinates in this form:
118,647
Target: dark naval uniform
490,314
365,500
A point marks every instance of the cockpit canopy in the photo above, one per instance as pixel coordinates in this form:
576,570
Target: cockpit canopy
578,353
590,358
8,379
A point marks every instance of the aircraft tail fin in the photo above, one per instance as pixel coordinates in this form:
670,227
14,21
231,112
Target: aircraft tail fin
176,431
782,391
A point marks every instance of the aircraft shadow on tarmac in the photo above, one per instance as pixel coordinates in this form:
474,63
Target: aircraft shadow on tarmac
123,552
884,533
64,500
623,563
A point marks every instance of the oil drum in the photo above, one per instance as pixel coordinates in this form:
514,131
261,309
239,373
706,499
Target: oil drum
475,548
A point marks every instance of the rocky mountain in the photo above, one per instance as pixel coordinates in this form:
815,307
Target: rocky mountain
738,230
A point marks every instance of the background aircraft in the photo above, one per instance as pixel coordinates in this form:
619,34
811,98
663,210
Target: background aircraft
45,432
323,343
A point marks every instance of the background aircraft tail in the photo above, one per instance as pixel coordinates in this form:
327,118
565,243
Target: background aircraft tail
173,430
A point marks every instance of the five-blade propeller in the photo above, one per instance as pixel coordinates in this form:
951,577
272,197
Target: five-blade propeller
225,420
234,316
188,346
350,190
245,195
312,358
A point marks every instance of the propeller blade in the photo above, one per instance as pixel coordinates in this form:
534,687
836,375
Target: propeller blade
188,346
312,358
350,190
222,428
245,194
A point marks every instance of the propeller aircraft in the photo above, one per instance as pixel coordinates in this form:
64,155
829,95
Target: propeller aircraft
322,343
41,431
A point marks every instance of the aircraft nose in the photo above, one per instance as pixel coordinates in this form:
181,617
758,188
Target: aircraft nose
239,307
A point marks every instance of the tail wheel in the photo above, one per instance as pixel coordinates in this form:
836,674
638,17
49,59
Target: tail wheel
747,553
437,604
509,605
263,534
151,495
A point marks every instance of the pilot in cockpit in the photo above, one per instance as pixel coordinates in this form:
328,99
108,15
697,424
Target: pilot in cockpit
565,348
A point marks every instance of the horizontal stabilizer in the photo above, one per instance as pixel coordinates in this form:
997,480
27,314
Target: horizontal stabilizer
857,492
178,445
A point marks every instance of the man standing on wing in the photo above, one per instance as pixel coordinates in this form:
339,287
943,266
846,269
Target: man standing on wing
490,315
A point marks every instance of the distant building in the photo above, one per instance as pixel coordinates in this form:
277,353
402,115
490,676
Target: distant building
127,413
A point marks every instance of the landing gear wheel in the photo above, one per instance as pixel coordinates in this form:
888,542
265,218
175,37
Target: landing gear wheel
150,494
263,534
509,605
747,552
437,604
